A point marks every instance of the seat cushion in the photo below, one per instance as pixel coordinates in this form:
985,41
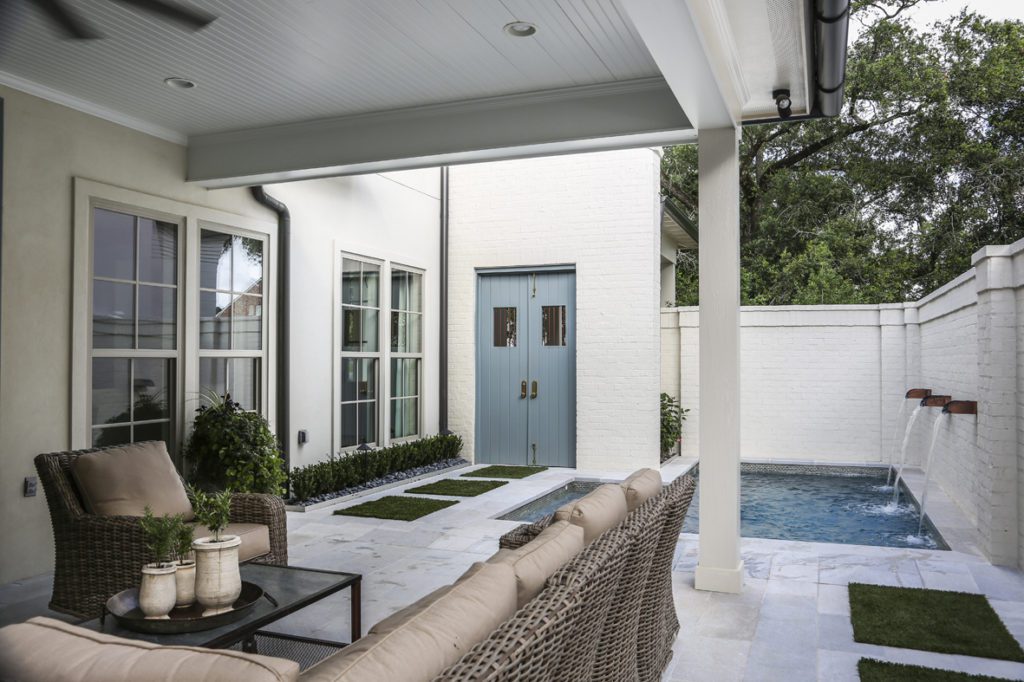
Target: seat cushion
46,649
599,510
641,486
255,538
538,559
123,481
422,640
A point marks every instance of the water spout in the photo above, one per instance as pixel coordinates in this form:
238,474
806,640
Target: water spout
903,453
939,421
895,440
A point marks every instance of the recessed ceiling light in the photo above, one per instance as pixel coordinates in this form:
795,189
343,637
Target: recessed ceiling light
520,29
179,83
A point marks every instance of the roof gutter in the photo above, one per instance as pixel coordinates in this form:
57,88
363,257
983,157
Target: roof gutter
442,421
284,222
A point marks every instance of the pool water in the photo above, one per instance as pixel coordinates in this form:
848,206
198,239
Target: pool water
843,508
537,509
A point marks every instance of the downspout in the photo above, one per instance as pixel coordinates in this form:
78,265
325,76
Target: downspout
442,421
283,374
831,26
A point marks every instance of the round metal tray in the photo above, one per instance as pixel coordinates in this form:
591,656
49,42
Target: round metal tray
124,607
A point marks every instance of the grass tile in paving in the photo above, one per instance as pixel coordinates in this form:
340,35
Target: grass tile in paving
396,508
930,620
505,471
871,670
457,487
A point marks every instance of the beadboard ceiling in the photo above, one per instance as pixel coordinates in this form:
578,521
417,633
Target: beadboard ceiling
264,62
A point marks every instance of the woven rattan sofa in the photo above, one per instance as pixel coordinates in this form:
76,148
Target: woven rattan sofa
97,556
605,614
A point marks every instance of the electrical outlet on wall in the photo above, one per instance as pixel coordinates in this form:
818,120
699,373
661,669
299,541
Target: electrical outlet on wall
303,436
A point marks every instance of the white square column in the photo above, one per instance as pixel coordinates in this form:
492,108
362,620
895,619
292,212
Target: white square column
719,567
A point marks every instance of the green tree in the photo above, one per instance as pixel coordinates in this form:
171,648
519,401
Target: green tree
887,201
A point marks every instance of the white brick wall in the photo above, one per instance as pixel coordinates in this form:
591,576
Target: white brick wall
601,213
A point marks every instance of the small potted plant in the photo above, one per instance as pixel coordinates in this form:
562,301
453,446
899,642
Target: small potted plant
158,591
218,582
185,576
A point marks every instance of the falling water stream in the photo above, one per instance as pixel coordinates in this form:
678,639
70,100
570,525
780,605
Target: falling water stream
939,421
903,453
895,436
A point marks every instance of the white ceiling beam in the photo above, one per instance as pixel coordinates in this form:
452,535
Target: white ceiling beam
589,118
692,44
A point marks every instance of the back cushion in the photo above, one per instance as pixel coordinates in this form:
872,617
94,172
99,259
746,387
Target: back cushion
124,481
598,511
641,486
535,561
47,649
422,640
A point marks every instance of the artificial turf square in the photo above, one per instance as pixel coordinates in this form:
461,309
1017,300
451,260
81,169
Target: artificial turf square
930,620
457,487
396,508
871,670
505,471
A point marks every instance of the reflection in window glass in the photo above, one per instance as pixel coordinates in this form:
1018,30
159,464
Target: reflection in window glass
505,327
231,292
157,317
113,315
552,325
358,401
132,400
235,377
158,251
405,375
113,245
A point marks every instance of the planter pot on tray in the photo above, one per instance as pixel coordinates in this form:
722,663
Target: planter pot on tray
218,582
158,590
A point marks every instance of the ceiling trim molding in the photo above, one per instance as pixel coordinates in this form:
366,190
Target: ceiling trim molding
636,113
91,108
692,44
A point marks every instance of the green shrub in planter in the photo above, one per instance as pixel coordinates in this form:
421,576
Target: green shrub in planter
354,468
672,418
232,448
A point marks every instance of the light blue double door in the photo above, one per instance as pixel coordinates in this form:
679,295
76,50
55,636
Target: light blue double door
526,368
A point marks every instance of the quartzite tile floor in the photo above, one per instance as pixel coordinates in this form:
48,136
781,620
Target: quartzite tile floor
790,623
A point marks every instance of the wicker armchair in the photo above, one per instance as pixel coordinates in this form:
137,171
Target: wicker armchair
98,556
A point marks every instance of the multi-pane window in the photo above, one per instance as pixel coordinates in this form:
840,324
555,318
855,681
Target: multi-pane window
134,328
406,351
360,351
231,269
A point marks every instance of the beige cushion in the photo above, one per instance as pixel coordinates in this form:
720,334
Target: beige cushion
45,649
538,559
424,639
255,538
600,510
124,481
641,486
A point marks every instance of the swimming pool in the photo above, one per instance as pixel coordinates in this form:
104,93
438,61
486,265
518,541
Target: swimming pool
846,505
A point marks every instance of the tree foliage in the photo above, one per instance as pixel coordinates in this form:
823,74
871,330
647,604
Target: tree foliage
889,200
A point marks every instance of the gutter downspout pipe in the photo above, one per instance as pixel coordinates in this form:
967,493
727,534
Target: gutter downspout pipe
442,422
831,28
283,316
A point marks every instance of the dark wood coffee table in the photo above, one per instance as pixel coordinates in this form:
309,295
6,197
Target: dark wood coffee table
291,588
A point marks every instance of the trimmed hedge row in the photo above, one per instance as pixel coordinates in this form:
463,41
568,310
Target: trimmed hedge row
355,468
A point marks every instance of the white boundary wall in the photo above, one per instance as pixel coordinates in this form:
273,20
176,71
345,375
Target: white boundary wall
825,383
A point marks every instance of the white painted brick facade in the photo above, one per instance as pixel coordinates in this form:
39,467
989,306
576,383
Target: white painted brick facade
601,213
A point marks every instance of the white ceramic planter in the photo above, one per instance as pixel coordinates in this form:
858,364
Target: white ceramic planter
218,582
158,590
185,581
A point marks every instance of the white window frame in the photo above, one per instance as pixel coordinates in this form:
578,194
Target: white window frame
89,194
384,354
392,267
231,353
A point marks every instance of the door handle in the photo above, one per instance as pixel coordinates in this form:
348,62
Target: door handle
522,390
533,390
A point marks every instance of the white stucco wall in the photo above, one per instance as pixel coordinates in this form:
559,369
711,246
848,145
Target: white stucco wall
601,213
46,146
391,217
